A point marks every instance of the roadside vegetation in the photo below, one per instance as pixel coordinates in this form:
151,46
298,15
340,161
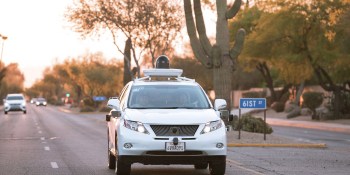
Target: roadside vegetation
280,46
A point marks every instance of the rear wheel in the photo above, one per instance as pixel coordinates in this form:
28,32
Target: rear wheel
111,157
217,168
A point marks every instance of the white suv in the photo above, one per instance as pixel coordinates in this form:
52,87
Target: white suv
15,102
164,118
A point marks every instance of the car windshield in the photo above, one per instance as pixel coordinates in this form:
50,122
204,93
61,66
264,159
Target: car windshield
167,97
14,98
40,99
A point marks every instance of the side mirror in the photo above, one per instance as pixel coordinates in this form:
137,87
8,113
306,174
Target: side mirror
225,114
115,113
219,104
114,103
108,117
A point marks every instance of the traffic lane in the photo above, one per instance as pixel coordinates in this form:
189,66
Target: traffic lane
334,140
79,145
21,148
290,161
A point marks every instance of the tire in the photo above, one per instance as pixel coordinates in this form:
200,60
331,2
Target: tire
217,168
5,112
122,168
111,157
24,112
201,166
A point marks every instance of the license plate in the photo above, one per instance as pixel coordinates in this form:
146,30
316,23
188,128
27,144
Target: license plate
170,147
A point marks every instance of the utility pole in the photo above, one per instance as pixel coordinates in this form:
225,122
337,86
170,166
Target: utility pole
2,45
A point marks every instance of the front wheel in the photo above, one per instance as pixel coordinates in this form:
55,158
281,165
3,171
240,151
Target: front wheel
217,168
122,168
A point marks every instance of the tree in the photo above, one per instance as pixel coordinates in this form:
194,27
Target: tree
299,38
220,58
145,25
13,82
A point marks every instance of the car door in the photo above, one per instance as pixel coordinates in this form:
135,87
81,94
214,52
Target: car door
115,121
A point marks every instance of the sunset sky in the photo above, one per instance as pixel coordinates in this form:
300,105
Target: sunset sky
39,36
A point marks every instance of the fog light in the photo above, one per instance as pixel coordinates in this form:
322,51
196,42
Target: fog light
127,145
219,145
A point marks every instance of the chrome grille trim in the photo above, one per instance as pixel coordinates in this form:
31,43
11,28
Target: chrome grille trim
174,130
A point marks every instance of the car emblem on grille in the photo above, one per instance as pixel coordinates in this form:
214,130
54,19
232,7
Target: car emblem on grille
175,130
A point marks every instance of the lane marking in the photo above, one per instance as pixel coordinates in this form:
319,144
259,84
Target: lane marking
42,138
43,142
54,165
47,148
40,132
239,165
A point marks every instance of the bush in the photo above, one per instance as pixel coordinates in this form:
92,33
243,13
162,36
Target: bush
312,100
105,109
87,109
251,124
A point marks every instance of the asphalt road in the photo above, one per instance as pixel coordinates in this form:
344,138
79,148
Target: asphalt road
49,141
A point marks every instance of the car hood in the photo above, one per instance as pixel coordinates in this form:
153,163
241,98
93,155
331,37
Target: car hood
14,101
171,116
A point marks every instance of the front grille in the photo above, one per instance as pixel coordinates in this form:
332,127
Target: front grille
174,130
15,104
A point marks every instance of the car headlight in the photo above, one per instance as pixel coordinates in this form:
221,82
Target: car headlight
211,126
23,103
136,126
44,103
6,104
37,103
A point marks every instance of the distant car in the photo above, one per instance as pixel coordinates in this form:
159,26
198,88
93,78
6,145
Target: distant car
15,102
33,100
40,102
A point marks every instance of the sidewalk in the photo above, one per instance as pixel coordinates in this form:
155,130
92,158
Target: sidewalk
279,119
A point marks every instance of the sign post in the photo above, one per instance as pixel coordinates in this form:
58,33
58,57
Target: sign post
251,103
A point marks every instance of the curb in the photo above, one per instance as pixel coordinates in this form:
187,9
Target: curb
297,145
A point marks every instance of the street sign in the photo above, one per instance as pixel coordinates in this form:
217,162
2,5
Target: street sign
99,98
252,103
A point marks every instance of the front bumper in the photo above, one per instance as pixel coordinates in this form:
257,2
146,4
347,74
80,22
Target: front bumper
12,107
150,149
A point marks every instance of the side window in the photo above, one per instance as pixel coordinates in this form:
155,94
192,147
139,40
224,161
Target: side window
123,96
123,91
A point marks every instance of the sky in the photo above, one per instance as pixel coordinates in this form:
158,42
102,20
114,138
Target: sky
39,36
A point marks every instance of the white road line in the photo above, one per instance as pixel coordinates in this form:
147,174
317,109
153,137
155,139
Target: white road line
42,138
239,165
40,132
43,142
54,165
47,148
38,127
